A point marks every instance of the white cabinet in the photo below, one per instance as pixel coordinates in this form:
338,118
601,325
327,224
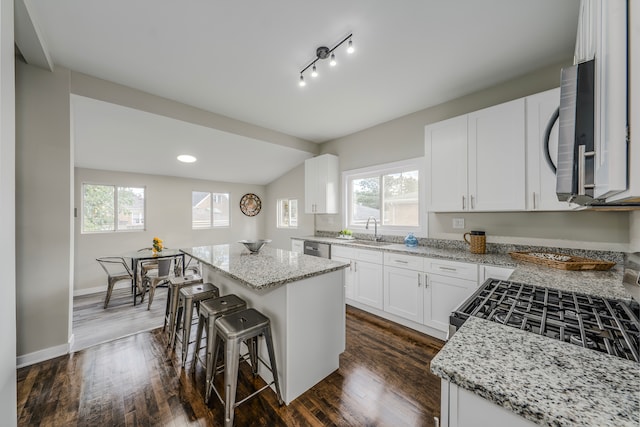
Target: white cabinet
493,272
446,156
448,284
403,286
442,295
321,184
462,408
497,157
541,178
364,277
297,246
341,253
476,162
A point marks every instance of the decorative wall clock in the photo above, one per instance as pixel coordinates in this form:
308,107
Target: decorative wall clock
250,204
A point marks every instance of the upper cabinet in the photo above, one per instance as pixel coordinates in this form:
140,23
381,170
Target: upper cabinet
542,152
476,162
321,183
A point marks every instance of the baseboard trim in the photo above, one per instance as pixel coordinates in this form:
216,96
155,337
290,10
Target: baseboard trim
44,354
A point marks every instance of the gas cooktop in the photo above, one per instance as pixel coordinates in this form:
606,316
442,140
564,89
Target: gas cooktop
606,325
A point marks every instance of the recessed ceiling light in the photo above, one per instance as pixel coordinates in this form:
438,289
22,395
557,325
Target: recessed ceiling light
186,158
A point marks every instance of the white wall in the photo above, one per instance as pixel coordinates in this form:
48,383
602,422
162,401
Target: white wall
168,216
403,138
43,202
288,186
8,397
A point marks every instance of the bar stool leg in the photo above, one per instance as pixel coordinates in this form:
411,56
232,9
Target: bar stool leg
186,327
231,362
272,362
203,319
173,316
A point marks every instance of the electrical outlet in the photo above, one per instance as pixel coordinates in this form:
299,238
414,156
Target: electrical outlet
458,222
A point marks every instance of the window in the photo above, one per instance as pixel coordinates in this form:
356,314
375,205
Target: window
287,213
389,193
108,208
209,210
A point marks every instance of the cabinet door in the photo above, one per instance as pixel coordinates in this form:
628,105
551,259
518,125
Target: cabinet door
442,294
541,178
403,293
310,185
446,157
348,277
321,184
368,283
496,142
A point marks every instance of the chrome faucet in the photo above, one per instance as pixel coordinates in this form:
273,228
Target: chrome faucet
375,225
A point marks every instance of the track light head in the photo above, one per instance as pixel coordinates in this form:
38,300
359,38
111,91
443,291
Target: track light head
302,83
350,48
332,61
314,72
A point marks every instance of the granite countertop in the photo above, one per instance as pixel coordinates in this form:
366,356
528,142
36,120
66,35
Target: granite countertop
549,382
606,284
266,269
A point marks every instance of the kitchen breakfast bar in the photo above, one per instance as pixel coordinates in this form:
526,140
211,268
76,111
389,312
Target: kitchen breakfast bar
302,295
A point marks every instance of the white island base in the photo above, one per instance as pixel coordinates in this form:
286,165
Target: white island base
307,324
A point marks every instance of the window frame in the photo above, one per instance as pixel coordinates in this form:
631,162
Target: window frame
116,208
212,225
279,213
421,230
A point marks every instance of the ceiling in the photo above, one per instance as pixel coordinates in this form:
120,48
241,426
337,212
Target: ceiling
241,59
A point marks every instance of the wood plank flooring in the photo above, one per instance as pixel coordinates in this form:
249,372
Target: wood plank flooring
93,324
383,380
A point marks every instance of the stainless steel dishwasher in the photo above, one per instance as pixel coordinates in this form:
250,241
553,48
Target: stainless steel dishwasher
322,250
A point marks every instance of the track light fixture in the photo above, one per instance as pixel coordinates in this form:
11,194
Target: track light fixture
324,52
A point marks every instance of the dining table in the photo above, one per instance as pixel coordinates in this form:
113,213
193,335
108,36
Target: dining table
148,254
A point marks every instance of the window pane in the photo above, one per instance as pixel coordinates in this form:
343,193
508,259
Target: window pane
98,208
401,199
220,209
130,208
200,209
365,194
283,213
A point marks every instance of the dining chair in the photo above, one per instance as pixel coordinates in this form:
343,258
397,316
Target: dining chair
117,270
151,280
192,266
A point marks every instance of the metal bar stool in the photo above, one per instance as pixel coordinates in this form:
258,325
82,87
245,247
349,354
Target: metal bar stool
190,296
210,310
175,284
231,330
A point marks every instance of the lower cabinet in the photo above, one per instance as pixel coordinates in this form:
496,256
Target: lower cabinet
403,291
363,278
462,408
442,294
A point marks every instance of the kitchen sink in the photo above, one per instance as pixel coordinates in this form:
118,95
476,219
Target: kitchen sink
369,243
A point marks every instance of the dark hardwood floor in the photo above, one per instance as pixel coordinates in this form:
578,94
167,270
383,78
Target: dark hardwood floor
383,380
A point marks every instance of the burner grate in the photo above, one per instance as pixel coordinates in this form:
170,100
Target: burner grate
601,324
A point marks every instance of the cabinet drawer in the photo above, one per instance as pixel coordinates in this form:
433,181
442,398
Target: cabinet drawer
375,257
404,261
342,251
462,270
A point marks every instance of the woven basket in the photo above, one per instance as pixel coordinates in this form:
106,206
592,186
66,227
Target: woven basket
568,263
477,243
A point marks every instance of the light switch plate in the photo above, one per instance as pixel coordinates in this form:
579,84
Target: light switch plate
458,222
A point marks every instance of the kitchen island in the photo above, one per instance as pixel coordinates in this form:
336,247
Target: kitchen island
302,295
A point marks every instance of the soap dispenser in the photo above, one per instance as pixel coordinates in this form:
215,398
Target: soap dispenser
411,241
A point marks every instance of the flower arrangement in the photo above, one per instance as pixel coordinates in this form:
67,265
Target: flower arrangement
157,244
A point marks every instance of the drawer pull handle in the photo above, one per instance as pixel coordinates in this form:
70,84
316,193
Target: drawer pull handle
447,268
401,261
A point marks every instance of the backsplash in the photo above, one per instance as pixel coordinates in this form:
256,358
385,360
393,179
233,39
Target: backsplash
492,248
